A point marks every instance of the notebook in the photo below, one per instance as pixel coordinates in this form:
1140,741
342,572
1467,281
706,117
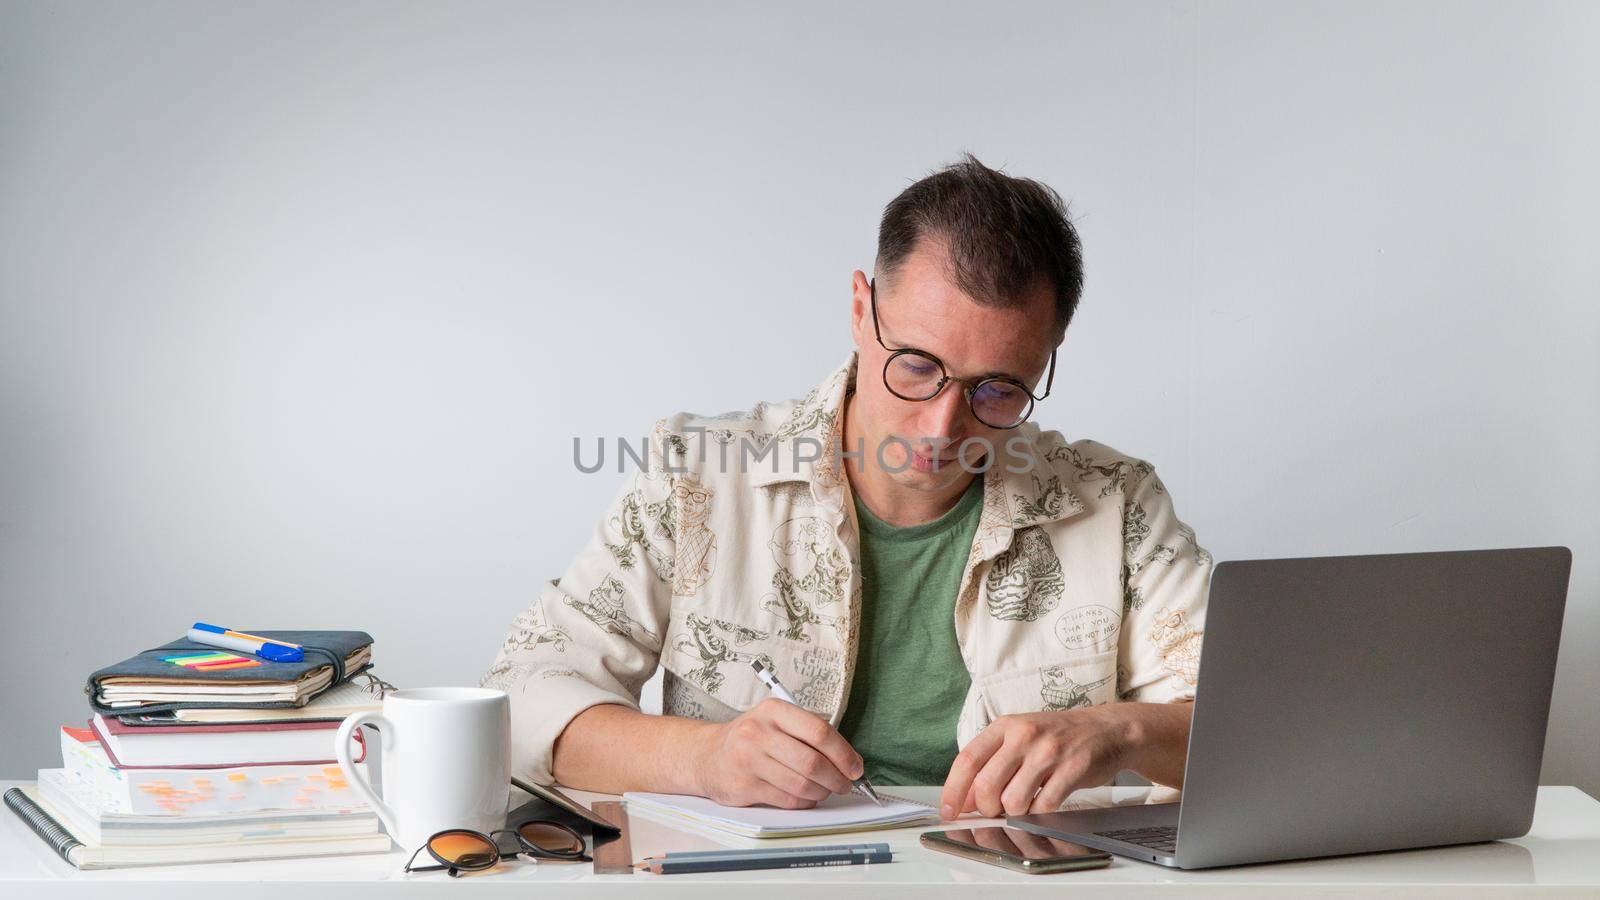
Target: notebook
155,681
357,695
839,813
81,851
202,791
212,746
77,807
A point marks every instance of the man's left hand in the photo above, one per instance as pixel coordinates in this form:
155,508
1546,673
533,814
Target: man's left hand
1031,762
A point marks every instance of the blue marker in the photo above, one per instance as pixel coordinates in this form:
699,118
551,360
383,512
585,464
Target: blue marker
266,648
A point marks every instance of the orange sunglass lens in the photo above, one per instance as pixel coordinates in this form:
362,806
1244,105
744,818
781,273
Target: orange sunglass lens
551,838
464,849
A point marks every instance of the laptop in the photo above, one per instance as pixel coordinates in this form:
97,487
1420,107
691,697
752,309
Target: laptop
1350,704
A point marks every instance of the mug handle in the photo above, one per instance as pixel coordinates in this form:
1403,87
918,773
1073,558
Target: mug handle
341,752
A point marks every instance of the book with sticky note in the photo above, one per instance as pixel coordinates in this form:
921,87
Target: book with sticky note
236,786
71,822
184,674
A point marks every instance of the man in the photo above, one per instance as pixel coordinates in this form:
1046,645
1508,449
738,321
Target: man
919,564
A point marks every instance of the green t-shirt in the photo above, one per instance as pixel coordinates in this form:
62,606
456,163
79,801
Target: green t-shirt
909,679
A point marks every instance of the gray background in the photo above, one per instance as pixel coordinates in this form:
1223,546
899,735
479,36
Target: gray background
301,307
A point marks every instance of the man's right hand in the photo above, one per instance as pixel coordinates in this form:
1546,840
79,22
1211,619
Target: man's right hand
778,754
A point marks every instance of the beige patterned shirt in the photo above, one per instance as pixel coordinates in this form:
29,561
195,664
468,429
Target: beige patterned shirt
737,541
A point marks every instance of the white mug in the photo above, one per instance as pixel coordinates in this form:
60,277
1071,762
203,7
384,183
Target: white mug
446,761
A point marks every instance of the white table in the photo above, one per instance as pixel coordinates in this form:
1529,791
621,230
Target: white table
1559,856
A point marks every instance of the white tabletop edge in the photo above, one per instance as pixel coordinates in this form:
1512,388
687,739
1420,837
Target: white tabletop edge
1559,855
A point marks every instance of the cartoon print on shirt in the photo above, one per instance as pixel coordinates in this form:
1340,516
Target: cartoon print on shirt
810,572
604,609
648,525
810,413
1132,596
823,671
529,629
728,438
1046,501
1178,644
1115,474
679,698
697,545
1134,531
711,649
504,675
787,495
1059,691
994,520
1025,581
1088,627
1159,554
1202,557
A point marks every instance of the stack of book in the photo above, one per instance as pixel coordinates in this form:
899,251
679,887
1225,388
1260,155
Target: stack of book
191,754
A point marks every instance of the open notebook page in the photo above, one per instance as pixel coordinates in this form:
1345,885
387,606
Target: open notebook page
839,813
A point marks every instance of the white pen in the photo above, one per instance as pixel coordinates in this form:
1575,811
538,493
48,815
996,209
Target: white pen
770,679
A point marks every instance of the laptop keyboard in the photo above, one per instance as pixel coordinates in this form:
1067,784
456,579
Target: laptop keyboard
1158,837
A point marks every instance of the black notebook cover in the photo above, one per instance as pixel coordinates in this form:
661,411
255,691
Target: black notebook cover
322,649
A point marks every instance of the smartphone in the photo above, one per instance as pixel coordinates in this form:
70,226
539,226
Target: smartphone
1016,849
553,796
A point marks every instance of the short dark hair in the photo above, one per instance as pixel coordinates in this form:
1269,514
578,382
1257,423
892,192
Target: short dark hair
1002,234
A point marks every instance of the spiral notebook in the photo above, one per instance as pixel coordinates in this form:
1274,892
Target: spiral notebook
83,852
839,813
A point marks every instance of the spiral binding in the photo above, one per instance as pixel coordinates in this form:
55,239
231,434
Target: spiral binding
42,823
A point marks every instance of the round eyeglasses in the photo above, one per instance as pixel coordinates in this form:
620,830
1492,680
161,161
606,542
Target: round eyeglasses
464,850
997,401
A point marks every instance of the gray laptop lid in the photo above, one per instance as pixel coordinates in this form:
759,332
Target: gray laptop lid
1358,703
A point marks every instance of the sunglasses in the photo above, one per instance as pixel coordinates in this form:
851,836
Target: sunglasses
463,850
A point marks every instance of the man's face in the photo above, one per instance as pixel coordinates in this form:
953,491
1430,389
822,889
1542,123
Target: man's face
921,308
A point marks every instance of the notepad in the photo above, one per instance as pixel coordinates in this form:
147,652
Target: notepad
335,703
839,813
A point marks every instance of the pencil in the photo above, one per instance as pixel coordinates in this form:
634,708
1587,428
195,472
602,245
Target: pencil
787,858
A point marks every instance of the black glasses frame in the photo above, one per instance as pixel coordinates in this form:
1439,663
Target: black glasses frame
968,387
488,862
